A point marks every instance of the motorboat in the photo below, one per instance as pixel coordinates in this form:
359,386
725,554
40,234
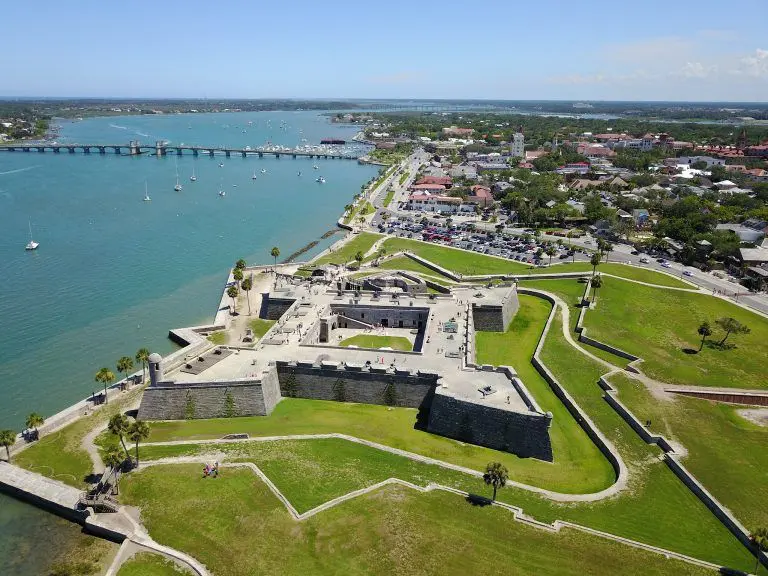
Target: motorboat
320,179
254,175
193,178
146,194
263,170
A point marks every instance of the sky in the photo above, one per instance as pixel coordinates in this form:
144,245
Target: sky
496,49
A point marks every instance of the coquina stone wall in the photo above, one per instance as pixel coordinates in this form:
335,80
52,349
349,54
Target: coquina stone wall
347,384
526,435
273,307
217,399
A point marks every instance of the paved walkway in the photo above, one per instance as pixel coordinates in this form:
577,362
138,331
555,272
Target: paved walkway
56,494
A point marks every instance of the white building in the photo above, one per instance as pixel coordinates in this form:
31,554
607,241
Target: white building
427,202
518,145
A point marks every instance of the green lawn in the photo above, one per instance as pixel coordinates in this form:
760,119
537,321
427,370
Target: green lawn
388,198
235,526
459,261
573,451
146,564
623,270
726,452
410,265
358,243
60,455
218,338
373,341
260,327
658,325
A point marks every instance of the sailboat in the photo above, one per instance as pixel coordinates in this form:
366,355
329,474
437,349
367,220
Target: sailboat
222,193
193,178
32,245
254,175
320,179
315,167
178,184
146,194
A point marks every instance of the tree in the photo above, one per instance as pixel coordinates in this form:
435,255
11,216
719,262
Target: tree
704,331
240,264
607,248
142,356
125,365
275,252
138,432
496,475
237,274
114,460
246,285
550,251
596,283
595,261
34,421
7,439
232,292
731,326
118,425
759,539
358,258
104,376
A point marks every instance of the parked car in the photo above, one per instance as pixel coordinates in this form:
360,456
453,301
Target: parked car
665,265
644,260
687,273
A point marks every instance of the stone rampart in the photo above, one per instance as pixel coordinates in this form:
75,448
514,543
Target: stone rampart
526,435
216,399
273,307
364,385
495,316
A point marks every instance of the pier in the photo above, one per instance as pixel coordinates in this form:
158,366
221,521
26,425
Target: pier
160,149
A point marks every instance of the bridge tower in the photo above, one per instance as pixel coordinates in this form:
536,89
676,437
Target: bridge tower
160,148
134,147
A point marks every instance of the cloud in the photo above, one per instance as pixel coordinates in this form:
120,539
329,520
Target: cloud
697,70
754,65
650,50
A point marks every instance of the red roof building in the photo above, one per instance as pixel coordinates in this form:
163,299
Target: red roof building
480,195
428,187
442,180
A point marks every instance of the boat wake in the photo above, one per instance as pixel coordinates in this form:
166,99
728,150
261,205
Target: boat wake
118,127
20,170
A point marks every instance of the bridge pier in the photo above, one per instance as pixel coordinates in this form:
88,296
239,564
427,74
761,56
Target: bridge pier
159,148
71,149
56,150
102,150
134,147
41,148
294,156
178,151
210,153
244,154
261,154
26,148
194,152
277,155
226,153
86,149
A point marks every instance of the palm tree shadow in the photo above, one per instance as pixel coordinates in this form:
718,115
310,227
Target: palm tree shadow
477,500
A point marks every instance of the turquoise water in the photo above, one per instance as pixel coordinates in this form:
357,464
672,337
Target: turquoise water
114,273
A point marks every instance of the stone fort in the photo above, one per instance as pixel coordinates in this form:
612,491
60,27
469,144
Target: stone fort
304,356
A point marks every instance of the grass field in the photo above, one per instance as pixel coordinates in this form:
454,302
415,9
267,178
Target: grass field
60,455
359,243
659,325
388,198
405,263
260,327
725,451
515,347
623,270
218,338
235,526
373,341
146,564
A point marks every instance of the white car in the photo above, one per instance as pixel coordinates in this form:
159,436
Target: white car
687,273
644,260
665,265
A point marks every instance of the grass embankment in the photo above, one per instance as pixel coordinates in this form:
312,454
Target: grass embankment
146,564
660,325
726,452
359,243
373,341
248,531
409,265
60,454
404,176
260,327
360,209
623,270
515,347
388,198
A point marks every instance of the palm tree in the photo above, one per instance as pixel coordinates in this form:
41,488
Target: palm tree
34,421
246,285
704,330
7,439
118,425
607,247
359,258
550,251
138,431
237,274
104,376
275,252
759,539
232,292
496,475
125,365
595,261
114,460
240,264
596,283
348,207
142,356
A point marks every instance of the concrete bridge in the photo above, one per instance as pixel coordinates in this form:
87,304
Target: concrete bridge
134,148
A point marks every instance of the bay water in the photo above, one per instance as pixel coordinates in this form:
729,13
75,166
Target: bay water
114,273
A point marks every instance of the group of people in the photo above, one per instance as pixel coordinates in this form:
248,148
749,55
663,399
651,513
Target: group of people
212,471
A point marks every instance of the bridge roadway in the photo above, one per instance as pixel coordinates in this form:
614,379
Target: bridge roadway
158,149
